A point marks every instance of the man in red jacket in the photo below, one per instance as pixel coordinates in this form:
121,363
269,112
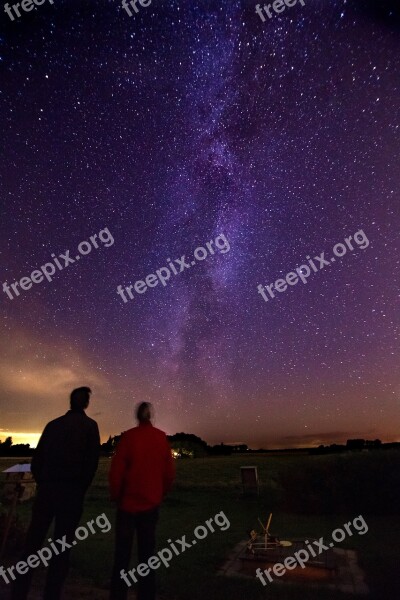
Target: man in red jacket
141,474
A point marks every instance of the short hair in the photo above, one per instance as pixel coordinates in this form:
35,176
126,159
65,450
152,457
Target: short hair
144,412
80,398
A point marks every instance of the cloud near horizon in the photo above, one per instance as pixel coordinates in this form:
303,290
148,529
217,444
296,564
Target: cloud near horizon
37,379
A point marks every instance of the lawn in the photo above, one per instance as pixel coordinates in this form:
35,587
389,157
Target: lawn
207,486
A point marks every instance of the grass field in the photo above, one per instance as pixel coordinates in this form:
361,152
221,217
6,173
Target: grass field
207,486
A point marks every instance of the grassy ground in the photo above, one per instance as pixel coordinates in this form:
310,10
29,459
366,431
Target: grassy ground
205,487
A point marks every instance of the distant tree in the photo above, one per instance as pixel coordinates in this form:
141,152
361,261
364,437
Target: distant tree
188,445
20,450
221,450
356,444
337,448
5,447
240,448
110,445
372,444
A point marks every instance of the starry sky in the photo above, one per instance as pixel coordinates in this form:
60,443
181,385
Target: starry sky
189,120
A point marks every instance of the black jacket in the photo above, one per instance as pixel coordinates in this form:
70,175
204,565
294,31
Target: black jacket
68,451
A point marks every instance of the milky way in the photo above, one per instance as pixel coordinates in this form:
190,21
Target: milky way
185,121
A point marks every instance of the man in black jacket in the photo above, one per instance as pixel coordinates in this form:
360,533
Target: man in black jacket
64,464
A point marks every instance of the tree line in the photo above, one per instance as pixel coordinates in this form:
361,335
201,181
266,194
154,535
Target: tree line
188,445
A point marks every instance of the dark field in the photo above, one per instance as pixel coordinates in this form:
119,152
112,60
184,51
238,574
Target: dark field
309,496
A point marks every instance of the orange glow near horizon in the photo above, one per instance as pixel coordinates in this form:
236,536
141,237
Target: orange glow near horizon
20,437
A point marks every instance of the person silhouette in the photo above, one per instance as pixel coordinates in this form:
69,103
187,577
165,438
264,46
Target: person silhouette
142,472
63,465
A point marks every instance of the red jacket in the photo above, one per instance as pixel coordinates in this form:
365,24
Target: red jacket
142,470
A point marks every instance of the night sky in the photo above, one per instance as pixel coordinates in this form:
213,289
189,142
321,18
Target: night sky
186,121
